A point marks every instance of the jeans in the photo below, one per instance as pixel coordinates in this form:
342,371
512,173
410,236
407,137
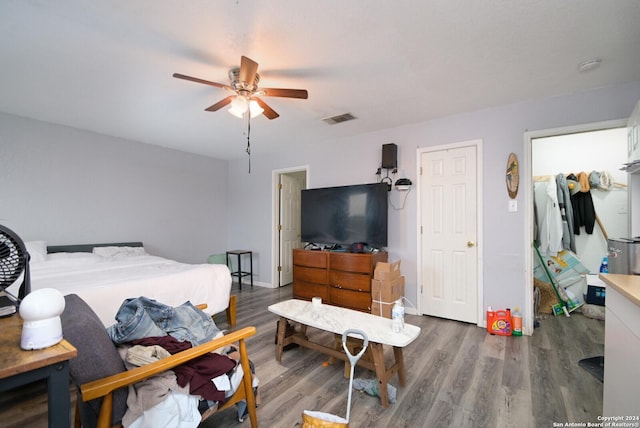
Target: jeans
142,317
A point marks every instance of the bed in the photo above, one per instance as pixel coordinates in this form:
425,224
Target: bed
104,275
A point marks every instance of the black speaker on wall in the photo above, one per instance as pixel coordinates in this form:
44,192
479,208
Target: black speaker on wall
389,156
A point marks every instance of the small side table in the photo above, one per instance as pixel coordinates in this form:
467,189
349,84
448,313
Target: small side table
240,273
19,367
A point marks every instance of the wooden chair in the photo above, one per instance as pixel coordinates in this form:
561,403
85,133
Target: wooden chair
101,378
231,310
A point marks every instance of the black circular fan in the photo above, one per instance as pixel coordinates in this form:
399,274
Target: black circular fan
14,261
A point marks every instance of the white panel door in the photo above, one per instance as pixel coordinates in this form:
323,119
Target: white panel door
449,230
290,188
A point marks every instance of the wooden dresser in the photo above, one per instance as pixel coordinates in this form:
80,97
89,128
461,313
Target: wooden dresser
340,279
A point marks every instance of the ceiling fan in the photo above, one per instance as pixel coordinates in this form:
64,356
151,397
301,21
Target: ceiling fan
244,82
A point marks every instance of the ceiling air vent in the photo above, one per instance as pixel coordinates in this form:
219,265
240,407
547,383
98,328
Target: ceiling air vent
333,120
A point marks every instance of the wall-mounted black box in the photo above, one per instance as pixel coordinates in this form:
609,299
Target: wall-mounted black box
389,156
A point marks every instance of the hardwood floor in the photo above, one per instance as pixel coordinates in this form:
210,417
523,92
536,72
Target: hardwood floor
457,376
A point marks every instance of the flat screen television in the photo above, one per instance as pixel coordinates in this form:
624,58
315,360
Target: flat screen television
345,215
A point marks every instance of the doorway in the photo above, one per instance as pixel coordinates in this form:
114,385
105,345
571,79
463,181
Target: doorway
449,199
286,228
599,151
590,247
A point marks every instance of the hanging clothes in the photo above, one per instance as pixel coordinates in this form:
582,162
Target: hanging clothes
549,217
583,179
584,213
566,213
606,181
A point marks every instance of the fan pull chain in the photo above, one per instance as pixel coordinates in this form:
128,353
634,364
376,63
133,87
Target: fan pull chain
248,138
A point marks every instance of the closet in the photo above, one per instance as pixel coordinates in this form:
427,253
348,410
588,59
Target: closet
597,155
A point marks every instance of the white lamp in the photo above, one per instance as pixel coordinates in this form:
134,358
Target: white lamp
40,311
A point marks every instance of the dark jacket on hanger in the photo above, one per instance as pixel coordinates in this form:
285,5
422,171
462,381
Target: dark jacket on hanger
584,213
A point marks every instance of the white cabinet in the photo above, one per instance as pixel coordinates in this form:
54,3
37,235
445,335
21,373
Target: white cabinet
622,346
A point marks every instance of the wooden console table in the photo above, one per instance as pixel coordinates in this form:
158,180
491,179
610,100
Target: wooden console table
336,320
19,367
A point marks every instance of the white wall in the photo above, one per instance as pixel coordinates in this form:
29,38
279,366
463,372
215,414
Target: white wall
68,186
604,150
354,160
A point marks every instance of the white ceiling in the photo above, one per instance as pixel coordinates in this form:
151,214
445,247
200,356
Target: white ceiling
106,66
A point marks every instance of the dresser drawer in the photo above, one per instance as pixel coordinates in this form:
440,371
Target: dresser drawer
307,290
316,259
351,262
308,274
350,281
350,299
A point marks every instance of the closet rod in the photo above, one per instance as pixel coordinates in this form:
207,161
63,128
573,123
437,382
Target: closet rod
540,178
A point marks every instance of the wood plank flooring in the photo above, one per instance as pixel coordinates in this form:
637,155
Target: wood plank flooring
457,376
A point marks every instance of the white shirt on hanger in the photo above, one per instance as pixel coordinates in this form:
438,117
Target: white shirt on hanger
549,217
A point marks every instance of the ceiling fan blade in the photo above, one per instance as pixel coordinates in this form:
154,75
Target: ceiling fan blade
206,82
217,106
268,111
248,70
286,93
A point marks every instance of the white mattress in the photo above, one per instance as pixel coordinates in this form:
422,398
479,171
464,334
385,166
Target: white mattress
104,283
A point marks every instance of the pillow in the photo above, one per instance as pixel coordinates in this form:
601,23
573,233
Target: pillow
119,252
66,256
37,250
97,355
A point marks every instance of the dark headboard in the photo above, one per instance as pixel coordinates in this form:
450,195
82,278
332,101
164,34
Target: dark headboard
88,248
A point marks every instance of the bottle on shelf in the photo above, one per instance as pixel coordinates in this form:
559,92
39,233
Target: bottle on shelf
516,320
397,317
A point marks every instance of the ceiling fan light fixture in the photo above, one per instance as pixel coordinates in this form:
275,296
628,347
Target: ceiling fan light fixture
239,103
239,106
243,81
237,113
255,109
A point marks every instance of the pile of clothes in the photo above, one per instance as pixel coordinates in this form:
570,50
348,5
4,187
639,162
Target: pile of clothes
147,331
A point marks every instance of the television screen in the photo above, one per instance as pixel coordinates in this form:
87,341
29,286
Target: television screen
345,215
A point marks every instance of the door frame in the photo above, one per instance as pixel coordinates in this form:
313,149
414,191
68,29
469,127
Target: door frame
275,216
479,212
526,180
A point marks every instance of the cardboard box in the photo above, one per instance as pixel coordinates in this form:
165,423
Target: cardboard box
387,290
385,271
381,309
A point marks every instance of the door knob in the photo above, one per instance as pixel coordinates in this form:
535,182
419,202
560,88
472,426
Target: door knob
470,244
